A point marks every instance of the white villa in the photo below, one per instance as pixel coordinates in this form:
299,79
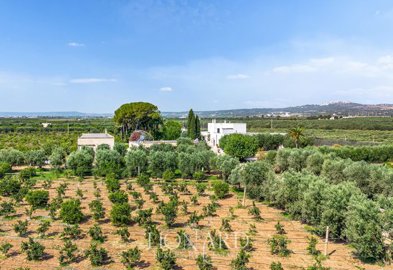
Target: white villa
95,139
215,131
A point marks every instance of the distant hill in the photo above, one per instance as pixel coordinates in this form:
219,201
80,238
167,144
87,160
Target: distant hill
54,114
339,108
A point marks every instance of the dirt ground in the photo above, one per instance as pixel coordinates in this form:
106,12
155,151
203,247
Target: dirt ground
340,255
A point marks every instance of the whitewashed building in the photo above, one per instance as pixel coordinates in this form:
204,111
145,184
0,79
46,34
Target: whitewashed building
215,131
95,139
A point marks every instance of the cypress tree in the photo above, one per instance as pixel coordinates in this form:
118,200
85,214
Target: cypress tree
197,127
191,124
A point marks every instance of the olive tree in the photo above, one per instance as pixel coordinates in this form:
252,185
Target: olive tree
136,161
81,162
226,164
107,162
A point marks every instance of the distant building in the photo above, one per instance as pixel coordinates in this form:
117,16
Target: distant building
142,138
45,125
215,131
95,139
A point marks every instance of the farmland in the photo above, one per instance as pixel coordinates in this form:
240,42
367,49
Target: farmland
340,258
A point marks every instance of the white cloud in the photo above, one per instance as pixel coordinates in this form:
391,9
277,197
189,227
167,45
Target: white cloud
92,80
294,69
238,76
75,44
166,89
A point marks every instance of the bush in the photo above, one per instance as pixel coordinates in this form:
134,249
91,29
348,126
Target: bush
43,228
70,211
96,234
168,175
20,227
118,197
38,198
5,247
276,266
7,208
216,242
4,168
112,184
67,253
184,241
241,261
166,258
124,234
199,175
279,245
97,256
71,232
201,188
169,210
220,189
9,186
97,208
152,235
33,250
27,173
130,258
204,262
121,214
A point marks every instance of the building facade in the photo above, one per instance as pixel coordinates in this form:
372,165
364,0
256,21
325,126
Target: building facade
215,131
93,140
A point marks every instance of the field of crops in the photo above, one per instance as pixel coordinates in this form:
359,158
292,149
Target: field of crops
240,225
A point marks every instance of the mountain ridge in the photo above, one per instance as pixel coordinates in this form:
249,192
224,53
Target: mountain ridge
341,108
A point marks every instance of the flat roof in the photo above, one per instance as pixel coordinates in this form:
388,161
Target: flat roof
96,136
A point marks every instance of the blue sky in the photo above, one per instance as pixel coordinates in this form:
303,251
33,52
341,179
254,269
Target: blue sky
94,55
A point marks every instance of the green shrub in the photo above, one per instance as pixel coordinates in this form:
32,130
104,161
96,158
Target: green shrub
71,232
20,227
27,173
33,250
166,258
220,189
4,168
169,210
204,262
43,228
279,245
98,256
96,233
118,197
112,184
168,175
241,260
70,211
199,175
5,247
7,208
276,266
67,253
97,208
152,235
201,188
121,214
124,234
38,198
184,241
130,258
